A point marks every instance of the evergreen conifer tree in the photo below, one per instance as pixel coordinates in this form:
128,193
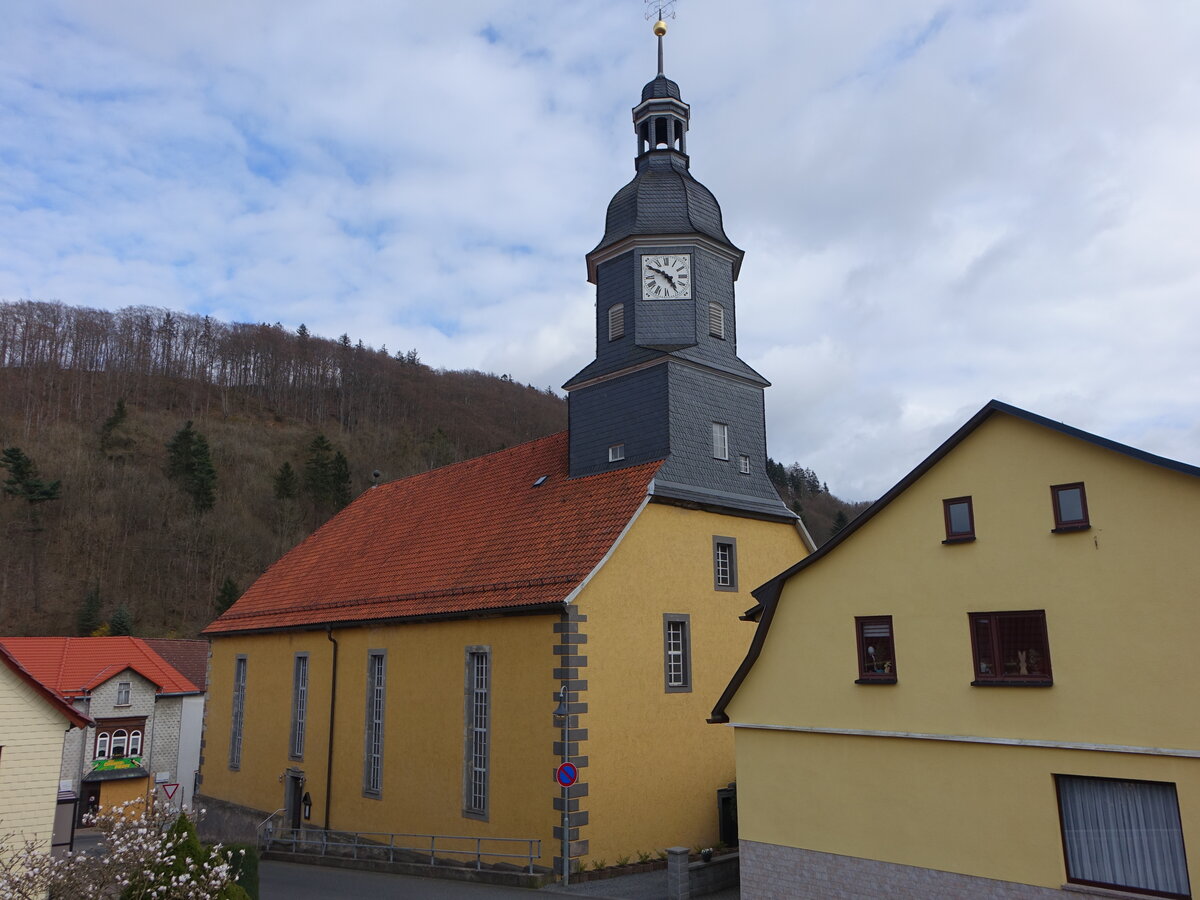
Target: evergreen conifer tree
121,623
339,481
190,463
227,595
287,485
111,424
89,618
839,522
318,472
24,483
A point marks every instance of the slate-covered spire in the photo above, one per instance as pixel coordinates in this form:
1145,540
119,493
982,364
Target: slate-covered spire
663,197
667,383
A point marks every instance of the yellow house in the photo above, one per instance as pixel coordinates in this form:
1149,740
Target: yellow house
399,670
980,687
33,722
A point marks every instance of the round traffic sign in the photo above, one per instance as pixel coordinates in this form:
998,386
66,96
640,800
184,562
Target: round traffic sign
567,774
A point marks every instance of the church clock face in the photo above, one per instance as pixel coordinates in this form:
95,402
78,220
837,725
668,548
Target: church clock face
667,277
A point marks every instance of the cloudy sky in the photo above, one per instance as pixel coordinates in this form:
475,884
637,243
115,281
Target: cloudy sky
940,203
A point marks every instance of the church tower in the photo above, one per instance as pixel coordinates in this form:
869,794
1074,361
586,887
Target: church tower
667,382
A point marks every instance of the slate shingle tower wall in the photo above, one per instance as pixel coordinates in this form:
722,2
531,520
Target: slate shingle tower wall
659,387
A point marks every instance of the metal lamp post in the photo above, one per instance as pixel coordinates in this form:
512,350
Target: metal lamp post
564,710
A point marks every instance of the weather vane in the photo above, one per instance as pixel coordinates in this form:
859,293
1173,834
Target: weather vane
660,10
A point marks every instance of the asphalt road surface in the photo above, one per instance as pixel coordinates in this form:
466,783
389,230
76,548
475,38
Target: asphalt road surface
294,881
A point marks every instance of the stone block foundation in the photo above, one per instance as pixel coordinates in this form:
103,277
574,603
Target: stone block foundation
789,873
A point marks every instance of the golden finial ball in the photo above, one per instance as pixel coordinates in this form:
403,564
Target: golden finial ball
660,27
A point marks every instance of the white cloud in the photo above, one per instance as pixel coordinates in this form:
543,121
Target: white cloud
940,203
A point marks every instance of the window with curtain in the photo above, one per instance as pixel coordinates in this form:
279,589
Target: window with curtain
1123,834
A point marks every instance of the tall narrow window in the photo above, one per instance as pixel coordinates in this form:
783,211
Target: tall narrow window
120,743
479,723
1011,648
724,564
876,651
123,693
1070,507
720,440
616,321
960,520
239,707
677,662
744,464
716,320
1123,834
373,742
135,743
102,745
299,705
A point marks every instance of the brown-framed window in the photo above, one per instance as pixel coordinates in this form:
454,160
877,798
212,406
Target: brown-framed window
1011,648
119,737
960,520
876,650
1123,834
1070,507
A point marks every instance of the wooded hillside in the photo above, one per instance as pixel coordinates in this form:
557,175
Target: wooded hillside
259,396
165,460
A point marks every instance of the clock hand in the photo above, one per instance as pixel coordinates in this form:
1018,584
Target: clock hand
665,275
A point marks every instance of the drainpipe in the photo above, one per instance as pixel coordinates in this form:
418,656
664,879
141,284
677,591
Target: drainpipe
332,705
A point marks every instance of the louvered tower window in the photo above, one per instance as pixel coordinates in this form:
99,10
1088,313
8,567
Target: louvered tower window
616,321
716,320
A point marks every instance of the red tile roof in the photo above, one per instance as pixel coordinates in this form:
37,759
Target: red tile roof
72,666
61,706
469,537
190,658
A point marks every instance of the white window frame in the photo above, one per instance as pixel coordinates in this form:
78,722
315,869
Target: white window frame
677,653
744,464
299,705
135,743
720,440
616,452
239,710
102,745
477,703
373,733
124,689
725,574
120,737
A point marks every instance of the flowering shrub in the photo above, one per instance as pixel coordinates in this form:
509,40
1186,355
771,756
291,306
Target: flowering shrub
147,856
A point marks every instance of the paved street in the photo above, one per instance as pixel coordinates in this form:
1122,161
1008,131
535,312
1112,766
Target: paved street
294,881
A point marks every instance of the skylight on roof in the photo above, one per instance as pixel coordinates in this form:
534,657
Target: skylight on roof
540,481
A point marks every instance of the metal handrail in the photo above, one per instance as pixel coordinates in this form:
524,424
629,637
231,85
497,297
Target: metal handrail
319,841
264,832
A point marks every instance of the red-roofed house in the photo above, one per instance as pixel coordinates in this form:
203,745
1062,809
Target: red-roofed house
147,716
399,670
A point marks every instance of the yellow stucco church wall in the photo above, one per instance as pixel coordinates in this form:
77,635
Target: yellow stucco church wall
423,730
1120,607
654,764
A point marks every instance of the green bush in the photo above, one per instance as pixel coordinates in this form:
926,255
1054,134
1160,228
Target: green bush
245,868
